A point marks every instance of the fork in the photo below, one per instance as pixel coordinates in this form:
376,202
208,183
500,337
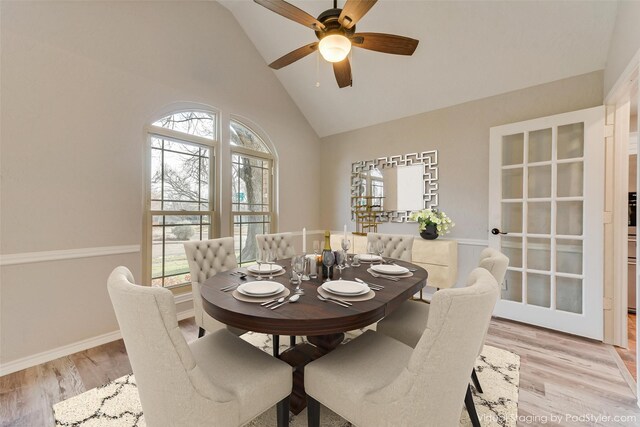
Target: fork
395,279
240,274
373,286
321,298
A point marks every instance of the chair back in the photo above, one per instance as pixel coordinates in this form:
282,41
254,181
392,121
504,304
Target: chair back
207,258
282,243
495,262
431,390
396,246
173,389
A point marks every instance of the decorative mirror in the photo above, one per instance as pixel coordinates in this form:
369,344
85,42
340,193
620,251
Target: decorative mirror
390,188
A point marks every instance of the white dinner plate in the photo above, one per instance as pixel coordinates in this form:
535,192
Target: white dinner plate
345,288
369,257
389,269
262,288
264,268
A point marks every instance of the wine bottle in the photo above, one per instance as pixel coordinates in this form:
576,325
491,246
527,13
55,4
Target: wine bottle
327,272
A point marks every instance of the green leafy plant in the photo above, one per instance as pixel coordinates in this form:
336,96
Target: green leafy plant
432,216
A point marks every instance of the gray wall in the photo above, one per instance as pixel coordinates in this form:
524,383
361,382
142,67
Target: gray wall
625,41
79,82
461,136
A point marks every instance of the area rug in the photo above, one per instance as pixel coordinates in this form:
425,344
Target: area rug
116,404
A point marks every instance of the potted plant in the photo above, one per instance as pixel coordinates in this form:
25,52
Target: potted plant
432,223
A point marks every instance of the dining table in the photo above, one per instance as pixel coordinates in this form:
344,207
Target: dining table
322,322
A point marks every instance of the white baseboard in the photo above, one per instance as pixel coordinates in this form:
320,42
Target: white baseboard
66,350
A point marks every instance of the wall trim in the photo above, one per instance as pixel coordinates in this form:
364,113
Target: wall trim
472,242
44,256
66,350
185,297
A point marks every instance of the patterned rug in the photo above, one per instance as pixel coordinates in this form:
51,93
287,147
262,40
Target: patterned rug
116,404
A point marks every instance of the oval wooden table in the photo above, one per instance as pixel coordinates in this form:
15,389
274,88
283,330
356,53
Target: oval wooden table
324,323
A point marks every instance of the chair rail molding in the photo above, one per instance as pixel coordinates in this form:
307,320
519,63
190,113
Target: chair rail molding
470,242
45,256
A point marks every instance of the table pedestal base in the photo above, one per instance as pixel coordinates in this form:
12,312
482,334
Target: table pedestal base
299,356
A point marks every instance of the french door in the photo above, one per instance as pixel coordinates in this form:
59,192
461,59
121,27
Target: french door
546,201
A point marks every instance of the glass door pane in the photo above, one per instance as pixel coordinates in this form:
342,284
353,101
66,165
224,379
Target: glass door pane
513,149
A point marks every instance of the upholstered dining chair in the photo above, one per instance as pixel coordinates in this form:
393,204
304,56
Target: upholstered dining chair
407,322
216,380
207,258
396,246
282,243
376,380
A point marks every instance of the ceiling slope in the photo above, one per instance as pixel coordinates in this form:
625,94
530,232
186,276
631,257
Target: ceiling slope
468,50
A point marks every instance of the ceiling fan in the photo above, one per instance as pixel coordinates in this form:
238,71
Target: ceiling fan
336,32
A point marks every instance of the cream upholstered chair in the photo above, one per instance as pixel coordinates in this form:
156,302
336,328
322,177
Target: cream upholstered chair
216,380
375,380
407,322
396,246
207,258
282,243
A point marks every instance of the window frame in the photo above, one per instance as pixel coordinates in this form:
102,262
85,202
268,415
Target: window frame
213,145
271,159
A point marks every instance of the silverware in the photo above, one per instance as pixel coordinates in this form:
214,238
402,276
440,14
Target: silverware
373,286
383,276
230,287
321,298
240,274
339,300
291,299
270,301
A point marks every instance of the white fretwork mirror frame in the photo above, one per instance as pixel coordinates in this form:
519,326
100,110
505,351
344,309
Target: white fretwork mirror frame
429,160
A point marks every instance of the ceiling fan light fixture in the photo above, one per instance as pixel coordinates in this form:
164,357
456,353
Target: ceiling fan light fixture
334,47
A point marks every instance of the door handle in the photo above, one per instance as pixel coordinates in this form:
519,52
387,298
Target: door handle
495,231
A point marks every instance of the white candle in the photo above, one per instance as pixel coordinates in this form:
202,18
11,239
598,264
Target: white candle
345,232
304,240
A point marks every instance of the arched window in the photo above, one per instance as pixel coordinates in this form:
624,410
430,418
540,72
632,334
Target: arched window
180,192
251,189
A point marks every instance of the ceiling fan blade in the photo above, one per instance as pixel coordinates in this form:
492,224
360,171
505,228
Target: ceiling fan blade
289,11
353,11
294,55
342,70
385,43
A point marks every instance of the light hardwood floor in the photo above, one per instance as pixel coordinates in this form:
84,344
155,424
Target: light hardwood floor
559,374
628,356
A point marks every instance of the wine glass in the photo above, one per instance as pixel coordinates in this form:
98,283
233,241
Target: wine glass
297,265
328,259
346,244
271,259
380,250
371,250
341,260
259,261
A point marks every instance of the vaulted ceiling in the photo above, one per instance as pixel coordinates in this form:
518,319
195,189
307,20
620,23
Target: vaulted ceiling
468,50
